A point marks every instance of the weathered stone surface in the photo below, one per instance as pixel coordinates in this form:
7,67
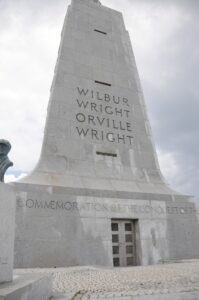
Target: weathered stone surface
98,160
7,229
97,133
77,226
27,287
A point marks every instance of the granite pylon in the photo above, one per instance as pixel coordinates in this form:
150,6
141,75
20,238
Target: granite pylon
97,195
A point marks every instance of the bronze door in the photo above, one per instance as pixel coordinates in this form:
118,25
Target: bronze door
123,243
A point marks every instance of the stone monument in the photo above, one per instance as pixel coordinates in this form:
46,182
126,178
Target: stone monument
97,196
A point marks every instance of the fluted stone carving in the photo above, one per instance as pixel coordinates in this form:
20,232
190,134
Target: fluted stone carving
5,163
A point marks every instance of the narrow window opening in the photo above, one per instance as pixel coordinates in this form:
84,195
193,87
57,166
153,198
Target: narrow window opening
101,82
106,154
103,32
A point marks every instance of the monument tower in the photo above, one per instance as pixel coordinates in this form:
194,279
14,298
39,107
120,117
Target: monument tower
97,195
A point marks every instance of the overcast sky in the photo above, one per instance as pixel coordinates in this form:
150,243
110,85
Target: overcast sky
165,38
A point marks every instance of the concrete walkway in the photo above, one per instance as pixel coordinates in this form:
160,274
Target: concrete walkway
178,281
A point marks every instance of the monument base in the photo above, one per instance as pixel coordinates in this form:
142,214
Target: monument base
62,226
27,287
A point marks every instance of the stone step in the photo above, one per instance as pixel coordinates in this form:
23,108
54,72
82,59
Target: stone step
27,287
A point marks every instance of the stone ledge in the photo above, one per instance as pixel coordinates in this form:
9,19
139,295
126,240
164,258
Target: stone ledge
27,287
93,192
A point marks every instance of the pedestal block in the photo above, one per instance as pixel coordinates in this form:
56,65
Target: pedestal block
7,229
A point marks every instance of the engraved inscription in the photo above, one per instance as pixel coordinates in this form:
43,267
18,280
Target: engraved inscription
72,206
103,117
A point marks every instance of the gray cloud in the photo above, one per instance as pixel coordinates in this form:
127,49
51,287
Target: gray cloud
190,4
174,104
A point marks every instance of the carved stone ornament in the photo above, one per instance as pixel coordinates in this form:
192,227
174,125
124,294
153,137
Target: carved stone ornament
5,163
